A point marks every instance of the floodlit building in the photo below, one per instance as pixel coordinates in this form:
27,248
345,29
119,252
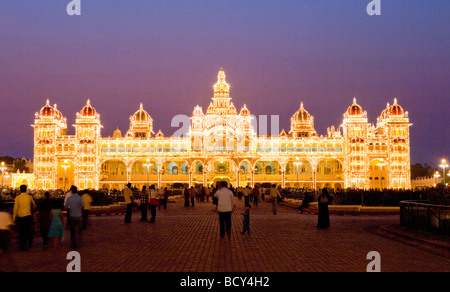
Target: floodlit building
222,145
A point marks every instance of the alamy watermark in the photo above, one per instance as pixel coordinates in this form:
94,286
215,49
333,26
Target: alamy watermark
74,265
74,8
375,262
374,8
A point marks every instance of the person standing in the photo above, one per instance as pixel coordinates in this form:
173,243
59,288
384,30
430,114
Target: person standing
225,204
75,204
87,200
256,194
274,196
192,194
128,195
186,197
246,222
22,215
143,205
154,202
166,198
324,216
240,192
67,195
45,218
160,192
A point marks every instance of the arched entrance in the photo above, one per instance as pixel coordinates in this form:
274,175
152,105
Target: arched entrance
222,170
268,171
299,174
65,177
175,171
113,171
377,174
216,181
329,173
144,173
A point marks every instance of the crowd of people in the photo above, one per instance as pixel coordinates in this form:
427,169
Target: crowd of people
77,205
47,217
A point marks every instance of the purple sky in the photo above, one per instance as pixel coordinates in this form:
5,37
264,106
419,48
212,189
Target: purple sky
275,53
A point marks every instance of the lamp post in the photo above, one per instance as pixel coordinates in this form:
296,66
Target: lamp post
444,165
437,176
65,166
2,168
381,173
298,164
148,165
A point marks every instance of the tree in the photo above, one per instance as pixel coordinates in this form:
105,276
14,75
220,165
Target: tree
419,170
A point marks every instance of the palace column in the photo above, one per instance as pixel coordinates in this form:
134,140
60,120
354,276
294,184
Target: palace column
190,177
128,170
238,176
314,179
252,175
159,177
283,178
204,177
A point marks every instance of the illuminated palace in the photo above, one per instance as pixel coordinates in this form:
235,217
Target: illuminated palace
222,145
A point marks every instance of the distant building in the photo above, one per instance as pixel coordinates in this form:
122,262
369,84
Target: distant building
222,145
425,182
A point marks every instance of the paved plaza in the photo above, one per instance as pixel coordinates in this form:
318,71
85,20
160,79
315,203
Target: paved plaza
187,240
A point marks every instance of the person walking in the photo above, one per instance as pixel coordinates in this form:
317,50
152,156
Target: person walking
274,196
225,204
247,191
128,195
44,217
87,200
154,202
6,221
23,216
75,204
56,230
143,205
207,194
324,216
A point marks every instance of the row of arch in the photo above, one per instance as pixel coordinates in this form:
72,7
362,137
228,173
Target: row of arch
297,172
183,167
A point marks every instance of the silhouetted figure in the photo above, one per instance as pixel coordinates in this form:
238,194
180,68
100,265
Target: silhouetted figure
324,217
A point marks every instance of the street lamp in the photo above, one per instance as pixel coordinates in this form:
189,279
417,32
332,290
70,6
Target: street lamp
148,165
444,165
65,166
298,164
437,176
381,173
2,168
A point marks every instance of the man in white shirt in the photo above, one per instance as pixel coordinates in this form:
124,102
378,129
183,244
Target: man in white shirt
225,204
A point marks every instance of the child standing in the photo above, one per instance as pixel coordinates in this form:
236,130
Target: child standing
56,230
246,220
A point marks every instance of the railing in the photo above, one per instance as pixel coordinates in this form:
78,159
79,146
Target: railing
424,216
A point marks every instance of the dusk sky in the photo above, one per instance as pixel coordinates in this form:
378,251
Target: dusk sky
276,54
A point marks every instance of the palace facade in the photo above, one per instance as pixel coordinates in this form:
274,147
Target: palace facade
222,145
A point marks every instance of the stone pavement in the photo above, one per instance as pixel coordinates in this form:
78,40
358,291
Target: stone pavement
187,240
